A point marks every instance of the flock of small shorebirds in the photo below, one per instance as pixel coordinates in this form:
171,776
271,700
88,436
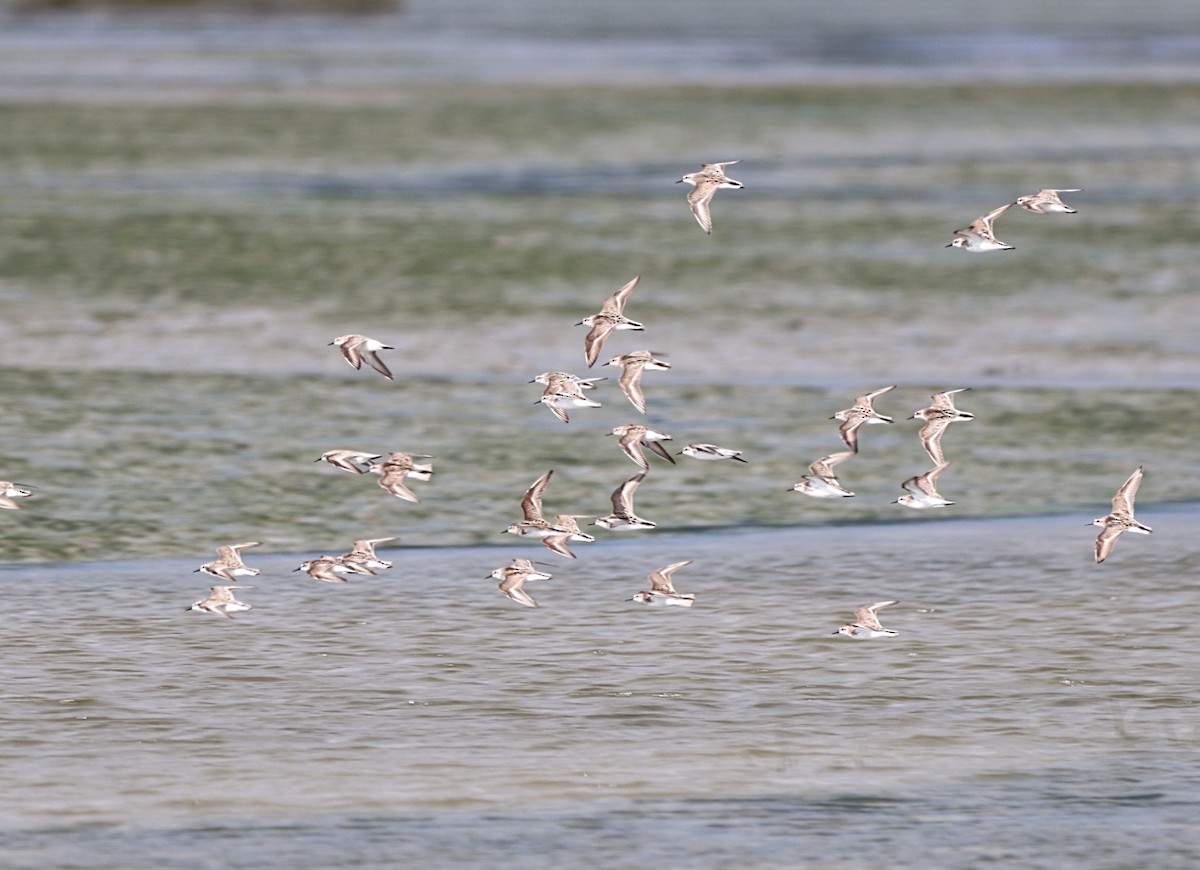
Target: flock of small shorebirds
564,392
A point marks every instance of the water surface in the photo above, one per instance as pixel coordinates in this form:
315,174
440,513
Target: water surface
189,214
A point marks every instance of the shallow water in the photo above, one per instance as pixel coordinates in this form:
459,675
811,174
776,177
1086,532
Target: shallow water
131,464
1029,693
181,237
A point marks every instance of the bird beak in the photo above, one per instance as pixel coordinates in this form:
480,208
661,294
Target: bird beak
294,570
680,181
951,245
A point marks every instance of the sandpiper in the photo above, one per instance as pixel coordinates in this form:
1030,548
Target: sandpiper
821,480
705,184
396,468
354,461
978,237
662,591
938,416
220,601
10,491
623,517
862,413
711,452
611,317
922,490
358,349
1046,200
866,622
331,568
545,379
228,563
363,552
1120,520
566,530
514,576
561,394
634,436
534,525
632,365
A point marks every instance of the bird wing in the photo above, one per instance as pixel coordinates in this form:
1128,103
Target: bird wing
594,340
615,304
558,412
699,198
1122,502
622,497
511,586
866,400
849,432
531,502
558,544
376,363
660,580
930,477
943,402
931,439
982,225
631,445
823,467
1106,540
631,384
351,354
867,615
393,482
661,451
